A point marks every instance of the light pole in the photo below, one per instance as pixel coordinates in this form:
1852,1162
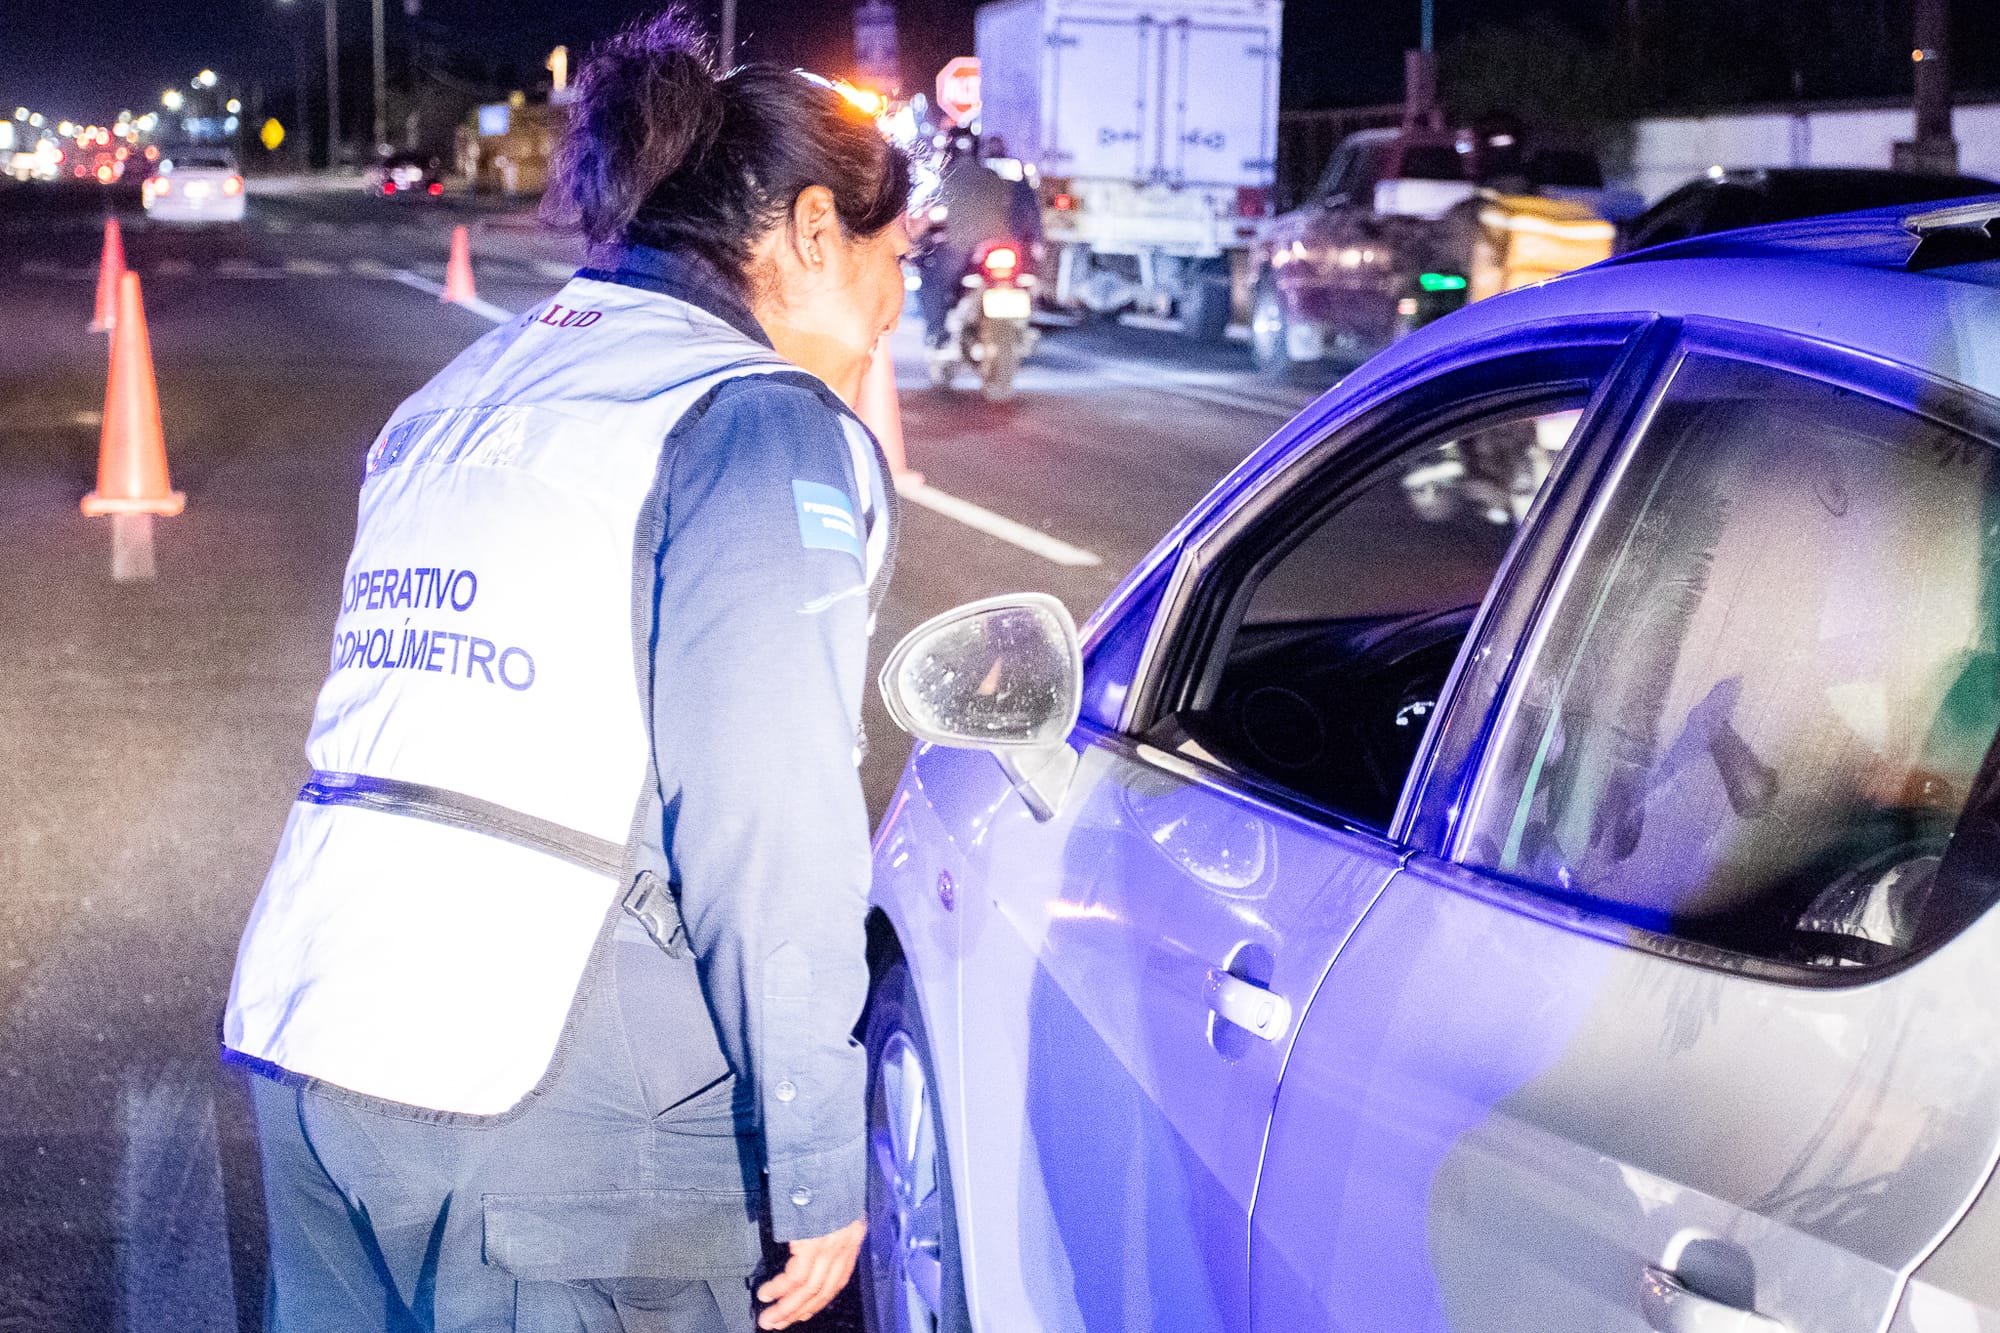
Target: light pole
381,88
727,44
1932,149
332,84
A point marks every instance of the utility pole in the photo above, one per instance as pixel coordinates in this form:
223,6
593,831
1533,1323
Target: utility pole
332,84
381,87
1933,149
726,47
1420,106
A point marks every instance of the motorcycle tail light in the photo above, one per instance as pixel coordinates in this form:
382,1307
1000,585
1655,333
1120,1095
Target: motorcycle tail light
234,185
436,187
388,187
1001,261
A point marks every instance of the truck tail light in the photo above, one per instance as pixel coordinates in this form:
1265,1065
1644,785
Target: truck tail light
1055,190
1000,262
1252,201
232,186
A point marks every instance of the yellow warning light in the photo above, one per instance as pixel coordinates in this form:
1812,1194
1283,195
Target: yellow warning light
271,135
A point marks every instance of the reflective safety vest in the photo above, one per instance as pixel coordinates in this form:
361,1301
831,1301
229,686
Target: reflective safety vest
485,646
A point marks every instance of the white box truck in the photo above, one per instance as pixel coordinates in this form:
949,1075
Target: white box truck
1153,126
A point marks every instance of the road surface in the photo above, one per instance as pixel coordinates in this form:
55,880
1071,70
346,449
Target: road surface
151,734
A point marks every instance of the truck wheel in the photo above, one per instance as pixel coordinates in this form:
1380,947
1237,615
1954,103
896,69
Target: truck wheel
1269,334
911,1279
1205,312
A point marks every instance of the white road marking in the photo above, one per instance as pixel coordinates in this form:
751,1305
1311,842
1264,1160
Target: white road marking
1052,549
311,268
555,272
173,268
484,309
370,268
245,268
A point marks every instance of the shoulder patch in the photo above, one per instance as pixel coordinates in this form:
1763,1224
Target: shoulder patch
826,518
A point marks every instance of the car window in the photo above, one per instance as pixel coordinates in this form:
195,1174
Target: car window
1352,619
1431,162
1770,681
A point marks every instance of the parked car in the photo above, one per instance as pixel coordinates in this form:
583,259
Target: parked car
1410,224
1721,200
412,175
1571,920
197,186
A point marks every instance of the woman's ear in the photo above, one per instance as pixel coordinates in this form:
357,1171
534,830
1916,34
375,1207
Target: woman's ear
815,226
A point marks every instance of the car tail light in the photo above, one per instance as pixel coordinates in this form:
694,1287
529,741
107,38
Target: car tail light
1252,201
436,188
388,187
234,185
104,175
161,185
1001,261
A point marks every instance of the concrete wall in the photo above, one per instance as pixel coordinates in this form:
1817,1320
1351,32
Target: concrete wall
1669,150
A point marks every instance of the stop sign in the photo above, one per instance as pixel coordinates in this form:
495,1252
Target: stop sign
958,88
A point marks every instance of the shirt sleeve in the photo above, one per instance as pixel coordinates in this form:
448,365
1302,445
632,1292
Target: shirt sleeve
758,666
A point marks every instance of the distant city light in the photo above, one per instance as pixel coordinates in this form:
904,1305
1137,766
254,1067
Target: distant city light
205,79
234,106
229,124
171,99
36,120
66,129
20,113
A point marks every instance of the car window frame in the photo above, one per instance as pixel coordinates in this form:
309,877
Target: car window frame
1436,832
1351,448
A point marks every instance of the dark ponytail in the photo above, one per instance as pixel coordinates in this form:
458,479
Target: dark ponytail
661,152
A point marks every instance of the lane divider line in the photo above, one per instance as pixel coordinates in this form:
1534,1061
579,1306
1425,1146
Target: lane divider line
1052,549
484,309
1033,540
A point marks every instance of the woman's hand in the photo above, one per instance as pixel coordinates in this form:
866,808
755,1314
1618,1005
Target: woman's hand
814,1275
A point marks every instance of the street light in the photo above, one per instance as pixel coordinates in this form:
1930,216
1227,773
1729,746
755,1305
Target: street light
234,106
171,99
206,78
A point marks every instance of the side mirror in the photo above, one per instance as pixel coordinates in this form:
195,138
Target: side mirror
1005,675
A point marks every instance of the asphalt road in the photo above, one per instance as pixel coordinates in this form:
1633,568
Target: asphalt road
151,735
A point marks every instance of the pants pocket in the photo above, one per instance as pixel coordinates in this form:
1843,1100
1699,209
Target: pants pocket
683,1234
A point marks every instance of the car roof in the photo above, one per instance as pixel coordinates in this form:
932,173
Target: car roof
1842,280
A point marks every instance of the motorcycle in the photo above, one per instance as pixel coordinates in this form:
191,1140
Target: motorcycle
988,328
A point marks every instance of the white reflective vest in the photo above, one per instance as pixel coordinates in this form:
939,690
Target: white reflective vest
490,595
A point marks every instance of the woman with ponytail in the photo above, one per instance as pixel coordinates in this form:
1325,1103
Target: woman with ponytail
550,989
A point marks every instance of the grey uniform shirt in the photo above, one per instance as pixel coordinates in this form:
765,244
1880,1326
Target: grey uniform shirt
753,619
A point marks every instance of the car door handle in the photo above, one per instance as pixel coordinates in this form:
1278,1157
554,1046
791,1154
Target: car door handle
1671,1307
1259,1012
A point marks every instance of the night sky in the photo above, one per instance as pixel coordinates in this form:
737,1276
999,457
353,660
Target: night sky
84,59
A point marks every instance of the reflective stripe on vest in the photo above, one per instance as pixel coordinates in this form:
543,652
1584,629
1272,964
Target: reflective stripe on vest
421,960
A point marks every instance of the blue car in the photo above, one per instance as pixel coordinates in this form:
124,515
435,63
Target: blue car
1516,857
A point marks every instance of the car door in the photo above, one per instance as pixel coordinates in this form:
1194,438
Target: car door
1131,965
1690,1024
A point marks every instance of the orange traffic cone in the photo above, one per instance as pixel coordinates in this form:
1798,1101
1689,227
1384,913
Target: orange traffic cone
109,268
132,452
878,409
458,273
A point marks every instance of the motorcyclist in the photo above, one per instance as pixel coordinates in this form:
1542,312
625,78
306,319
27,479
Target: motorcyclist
974,205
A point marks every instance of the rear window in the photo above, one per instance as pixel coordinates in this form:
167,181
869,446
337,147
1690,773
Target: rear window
202,163
1433,162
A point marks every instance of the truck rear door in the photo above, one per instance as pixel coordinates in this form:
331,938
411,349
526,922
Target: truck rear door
1220,93
1103,80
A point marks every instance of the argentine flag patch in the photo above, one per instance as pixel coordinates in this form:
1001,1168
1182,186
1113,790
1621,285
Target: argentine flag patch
826,518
